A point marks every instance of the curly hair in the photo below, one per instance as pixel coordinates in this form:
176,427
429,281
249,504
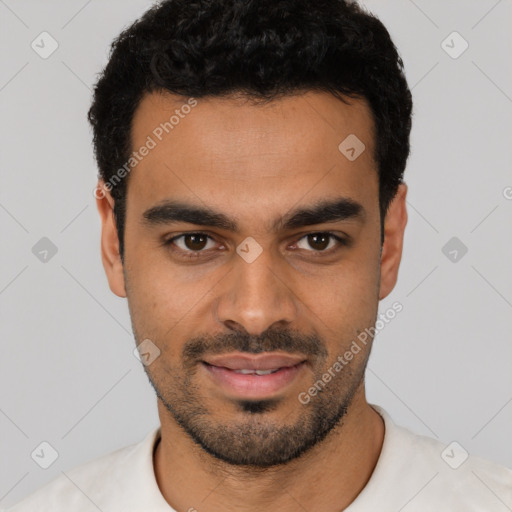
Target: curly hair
263,49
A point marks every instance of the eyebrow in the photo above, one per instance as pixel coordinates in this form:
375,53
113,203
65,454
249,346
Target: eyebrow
334,210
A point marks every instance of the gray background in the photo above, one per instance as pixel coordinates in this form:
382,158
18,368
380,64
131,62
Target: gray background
68,376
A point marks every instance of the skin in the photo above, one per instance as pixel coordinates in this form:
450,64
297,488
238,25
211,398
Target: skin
255,163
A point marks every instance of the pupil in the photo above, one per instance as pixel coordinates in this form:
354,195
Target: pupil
317,236
196,242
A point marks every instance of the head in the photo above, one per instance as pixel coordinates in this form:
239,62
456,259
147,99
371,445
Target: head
251,156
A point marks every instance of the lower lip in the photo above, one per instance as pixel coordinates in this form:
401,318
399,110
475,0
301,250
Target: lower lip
252,385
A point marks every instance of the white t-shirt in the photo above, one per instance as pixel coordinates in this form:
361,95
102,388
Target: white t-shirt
413,474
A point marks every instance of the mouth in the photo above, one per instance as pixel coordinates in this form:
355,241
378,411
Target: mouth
254,377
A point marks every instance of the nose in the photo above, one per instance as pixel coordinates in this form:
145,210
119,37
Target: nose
256,296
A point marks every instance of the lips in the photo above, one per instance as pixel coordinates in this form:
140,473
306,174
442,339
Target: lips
261,362
254,377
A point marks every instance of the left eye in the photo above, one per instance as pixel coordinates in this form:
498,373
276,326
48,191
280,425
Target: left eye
320,242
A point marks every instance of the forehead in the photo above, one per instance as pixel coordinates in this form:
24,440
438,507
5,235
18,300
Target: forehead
229,153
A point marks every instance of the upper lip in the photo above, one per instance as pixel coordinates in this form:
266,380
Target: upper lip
257,362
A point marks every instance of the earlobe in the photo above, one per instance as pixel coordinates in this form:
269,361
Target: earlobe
110,255
394,228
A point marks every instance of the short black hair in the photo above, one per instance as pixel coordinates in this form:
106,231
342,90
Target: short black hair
263,49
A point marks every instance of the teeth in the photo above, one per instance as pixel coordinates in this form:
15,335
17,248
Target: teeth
265,372
257,372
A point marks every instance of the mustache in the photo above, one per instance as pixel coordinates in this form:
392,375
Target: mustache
283,340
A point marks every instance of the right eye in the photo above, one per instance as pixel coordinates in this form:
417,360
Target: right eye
191,245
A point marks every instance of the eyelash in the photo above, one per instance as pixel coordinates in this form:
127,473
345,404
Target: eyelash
342,242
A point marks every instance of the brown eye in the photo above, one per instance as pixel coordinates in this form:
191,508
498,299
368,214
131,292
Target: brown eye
191,242
320,242
195,242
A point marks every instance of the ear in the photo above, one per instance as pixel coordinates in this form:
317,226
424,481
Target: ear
394,227
109,240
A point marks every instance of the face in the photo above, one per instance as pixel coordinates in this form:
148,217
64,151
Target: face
252,261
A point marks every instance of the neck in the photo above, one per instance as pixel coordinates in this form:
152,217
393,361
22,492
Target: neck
328,477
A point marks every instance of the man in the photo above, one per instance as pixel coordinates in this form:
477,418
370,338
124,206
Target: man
251,156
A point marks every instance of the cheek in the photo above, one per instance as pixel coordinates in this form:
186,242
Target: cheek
153,281
347,305
347,293
345,308
165,300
